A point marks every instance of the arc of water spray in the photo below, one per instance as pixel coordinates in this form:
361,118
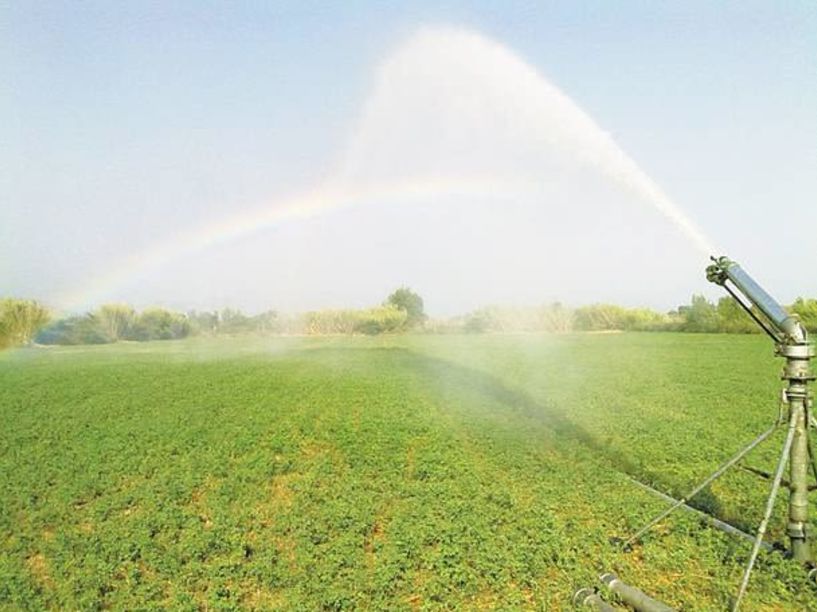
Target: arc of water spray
495,85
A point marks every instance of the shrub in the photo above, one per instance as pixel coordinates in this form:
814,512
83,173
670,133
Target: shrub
806,309
20,320
159,324
115,320
380,320
82,329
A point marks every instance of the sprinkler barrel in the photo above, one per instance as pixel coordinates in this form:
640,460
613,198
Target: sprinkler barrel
787,328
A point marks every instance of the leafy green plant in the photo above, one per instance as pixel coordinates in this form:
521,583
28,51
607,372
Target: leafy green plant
394,472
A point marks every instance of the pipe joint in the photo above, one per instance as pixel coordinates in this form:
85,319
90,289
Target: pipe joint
589,598
796,530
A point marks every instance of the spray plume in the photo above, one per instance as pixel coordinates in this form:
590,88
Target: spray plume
445,85
451,112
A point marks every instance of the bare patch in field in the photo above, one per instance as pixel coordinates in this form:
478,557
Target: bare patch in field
38,566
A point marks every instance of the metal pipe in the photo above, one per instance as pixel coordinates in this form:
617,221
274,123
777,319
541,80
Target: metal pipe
717,524
812,457
632,596
589,598
798,496
781,465
798,373
681,502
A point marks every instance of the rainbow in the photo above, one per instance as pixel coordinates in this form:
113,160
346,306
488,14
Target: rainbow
548,117
307,205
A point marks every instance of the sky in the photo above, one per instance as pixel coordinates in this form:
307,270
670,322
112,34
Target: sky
136,134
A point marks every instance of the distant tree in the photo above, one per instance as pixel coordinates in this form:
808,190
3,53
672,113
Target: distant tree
115,320
203,322
159,324
329,321
599,317
480,321
233,321
700,316
20,320
411,303
267,322
370,321
555,318
806,309
732,319
80,329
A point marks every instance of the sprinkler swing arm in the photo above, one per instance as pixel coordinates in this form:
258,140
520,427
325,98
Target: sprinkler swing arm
793,344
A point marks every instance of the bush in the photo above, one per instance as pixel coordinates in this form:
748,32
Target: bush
20,320
115,320
381,320
700,316
806,309
370,321
159,324
604,317
203,322
84,329
732,318
330,321
480,321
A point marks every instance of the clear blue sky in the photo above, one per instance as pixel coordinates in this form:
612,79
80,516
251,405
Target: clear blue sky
125,122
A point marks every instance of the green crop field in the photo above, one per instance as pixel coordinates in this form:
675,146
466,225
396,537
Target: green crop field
406,472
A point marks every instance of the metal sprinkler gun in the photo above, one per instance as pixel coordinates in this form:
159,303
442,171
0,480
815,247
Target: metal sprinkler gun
792,343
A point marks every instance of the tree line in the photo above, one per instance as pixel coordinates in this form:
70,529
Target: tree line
699,316
27,321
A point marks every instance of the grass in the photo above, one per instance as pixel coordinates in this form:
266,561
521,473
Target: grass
401,472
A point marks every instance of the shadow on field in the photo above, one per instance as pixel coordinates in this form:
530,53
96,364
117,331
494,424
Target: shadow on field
460,381
450,377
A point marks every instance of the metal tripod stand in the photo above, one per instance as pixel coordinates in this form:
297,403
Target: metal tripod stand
793,344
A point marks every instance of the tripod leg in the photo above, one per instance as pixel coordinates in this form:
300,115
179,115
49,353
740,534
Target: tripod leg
717,474
812,456
778,476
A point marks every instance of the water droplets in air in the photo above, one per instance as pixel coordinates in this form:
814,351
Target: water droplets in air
512,191
453,104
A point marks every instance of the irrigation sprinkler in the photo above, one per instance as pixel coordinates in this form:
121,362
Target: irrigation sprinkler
793,344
